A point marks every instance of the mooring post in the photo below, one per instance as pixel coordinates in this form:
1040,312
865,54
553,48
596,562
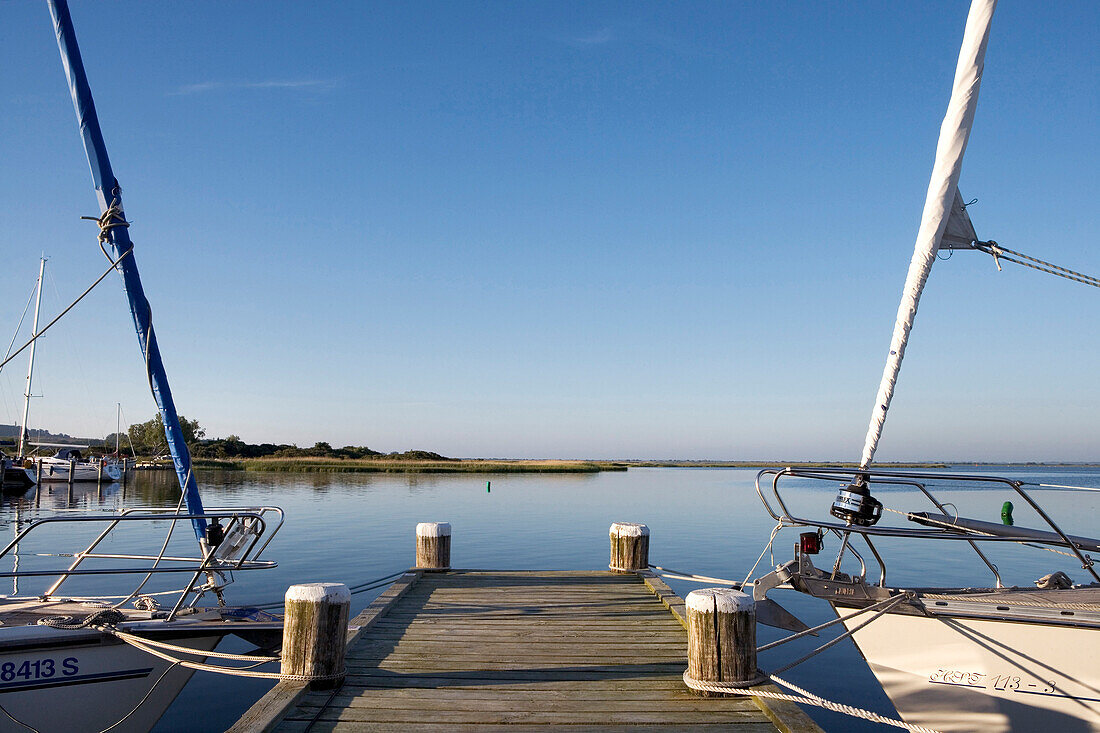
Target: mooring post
315,631
629,547
99,473
38,471
721,638
433,545
72,471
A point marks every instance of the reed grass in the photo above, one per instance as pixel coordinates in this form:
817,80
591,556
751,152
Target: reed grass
376,465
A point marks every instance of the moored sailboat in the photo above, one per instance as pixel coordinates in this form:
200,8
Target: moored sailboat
989,658
115,662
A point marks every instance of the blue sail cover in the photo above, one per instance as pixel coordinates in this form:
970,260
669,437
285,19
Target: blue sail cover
118,238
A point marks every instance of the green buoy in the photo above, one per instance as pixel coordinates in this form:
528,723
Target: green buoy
1006,513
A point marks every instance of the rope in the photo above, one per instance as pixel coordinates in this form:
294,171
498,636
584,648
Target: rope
679,575
95,620
887,604
188,650
361,588
17,721
767,549
896,600
1004,253
45,328
233,671
107,221
802,697
18,326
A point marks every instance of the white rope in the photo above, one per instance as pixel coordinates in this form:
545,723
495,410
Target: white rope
197,652
802,697
233,671
680,575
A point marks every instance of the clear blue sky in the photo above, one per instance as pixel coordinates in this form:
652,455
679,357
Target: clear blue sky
560,229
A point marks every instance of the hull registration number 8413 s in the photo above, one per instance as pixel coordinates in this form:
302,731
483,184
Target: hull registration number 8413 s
39,669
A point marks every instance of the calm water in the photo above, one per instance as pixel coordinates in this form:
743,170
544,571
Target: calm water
352,528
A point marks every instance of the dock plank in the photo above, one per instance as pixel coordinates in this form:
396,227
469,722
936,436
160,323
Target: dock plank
486,650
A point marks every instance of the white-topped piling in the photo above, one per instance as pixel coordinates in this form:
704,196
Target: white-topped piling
315,631
629,547
721,637
433,545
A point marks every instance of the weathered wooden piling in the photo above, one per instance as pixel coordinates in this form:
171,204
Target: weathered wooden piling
315,632
629,547
721,638
72,471
433,545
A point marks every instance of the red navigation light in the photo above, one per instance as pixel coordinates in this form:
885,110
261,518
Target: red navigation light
810,543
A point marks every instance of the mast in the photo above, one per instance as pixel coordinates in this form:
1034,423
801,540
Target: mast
954,135
115,234
30,365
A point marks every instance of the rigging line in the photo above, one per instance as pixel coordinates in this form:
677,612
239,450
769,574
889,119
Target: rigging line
948,525
1062,486
121,720
114,263
19,326
14,336
84,383
879,614
875,607
1003,253
767,548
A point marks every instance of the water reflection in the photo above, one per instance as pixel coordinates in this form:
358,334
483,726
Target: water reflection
352,528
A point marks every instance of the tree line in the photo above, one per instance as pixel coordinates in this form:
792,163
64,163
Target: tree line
147,439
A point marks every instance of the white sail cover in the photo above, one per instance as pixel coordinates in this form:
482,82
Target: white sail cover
959,233
942,193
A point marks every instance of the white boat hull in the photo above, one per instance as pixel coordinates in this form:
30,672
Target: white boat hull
963,674
86,681
59,471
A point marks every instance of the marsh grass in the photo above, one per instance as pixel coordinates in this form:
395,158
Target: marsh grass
375,465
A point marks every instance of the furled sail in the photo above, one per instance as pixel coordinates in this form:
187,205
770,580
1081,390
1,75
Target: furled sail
118,238
940,206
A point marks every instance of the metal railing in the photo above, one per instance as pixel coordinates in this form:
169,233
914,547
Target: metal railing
918,480
245,538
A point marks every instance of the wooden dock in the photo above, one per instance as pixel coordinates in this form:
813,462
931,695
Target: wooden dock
479,650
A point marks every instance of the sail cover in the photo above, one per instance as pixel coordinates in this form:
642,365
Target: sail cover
940,205
959,233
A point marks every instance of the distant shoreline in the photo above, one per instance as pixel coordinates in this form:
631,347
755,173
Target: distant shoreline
503,466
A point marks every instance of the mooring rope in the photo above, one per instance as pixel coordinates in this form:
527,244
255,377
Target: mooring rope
680,575
802,697
1004,253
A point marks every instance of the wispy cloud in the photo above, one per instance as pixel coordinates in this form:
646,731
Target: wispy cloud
598,38
318,85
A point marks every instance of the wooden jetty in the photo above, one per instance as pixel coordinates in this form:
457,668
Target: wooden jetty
480,650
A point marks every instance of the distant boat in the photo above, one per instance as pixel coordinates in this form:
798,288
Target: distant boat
70,663
16,476
69,460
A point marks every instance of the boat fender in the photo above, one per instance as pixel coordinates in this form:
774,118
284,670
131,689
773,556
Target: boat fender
1006,514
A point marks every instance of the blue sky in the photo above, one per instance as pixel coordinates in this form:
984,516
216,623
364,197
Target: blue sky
560,229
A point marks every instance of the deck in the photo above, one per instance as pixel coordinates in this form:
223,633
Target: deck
478,650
